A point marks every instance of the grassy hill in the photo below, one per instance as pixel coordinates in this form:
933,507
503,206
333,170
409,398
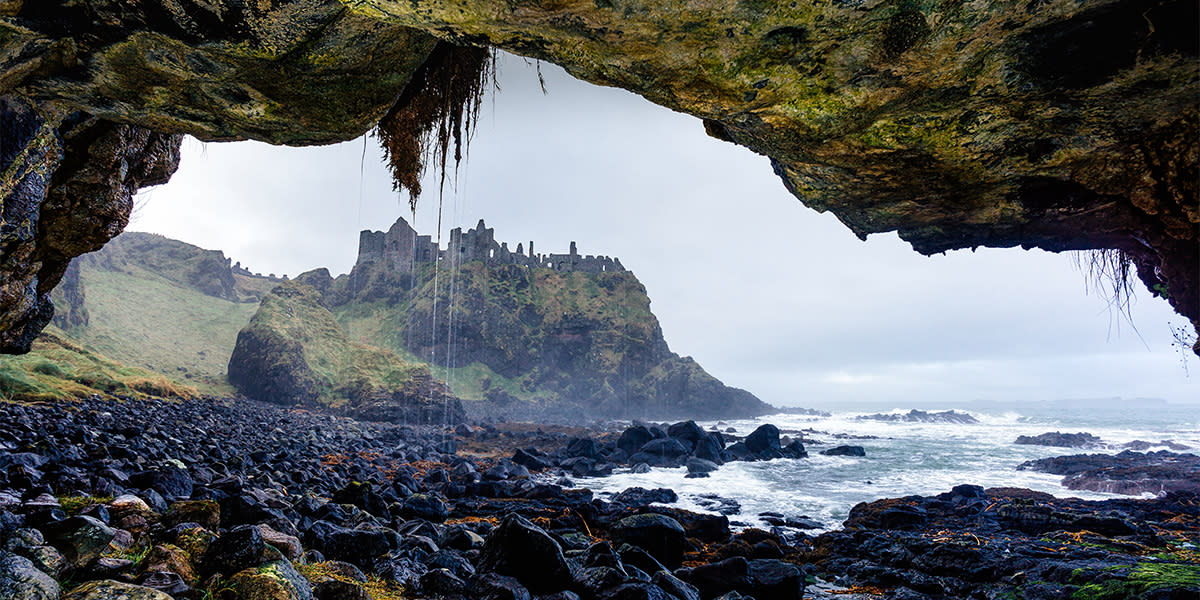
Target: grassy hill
163,305
59,369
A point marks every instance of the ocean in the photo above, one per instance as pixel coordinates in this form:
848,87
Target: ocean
909,458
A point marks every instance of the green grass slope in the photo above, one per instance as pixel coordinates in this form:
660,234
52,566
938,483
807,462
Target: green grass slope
59,369
165,306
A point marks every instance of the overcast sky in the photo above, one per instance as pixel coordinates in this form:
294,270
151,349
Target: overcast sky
766,294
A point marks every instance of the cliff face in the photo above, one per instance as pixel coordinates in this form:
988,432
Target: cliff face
529,340
1052,124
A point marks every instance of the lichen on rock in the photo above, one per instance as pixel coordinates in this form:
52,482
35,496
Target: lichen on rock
1051,124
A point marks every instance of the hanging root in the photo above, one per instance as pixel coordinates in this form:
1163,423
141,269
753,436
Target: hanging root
439,107
1111,274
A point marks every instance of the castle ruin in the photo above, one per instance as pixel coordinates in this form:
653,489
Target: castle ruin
402,249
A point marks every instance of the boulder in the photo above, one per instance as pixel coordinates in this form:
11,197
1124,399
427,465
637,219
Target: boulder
21,580
845,451
687,431
80,539
764,441
114,590
660,535
775,580
275,580
240,548
493,586
715,579
425,506
633,438
664,449
520,549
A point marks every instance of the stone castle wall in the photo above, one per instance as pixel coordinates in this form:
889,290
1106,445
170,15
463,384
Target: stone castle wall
402,249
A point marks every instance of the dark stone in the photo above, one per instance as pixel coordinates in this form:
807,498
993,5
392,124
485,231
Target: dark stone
520,549
718,578
661,536
590,582
699,465
493,586
764,441
441,582
164,581
239,548
664,449
675,586
845,451
633,438
1061,440
637,590
687,431
80,539
775,580
636,496
21,580
425,506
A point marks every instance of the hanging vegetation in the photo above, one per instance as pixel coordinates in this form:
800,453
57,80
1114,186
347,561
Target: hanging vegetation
439,108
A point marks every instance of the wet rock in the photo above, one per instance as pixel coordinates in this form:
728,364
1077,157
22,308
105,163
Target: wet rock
425,506
675,586
637,590
20,579
276,580
442,582
205,513
633,438
167,582
688,432
520,549
591,582
114,590
763,442
637,496
240,548
1124,473
775,580
661,536
1059,439
718,578
699,465
845,451
493,586
920,416
80,539
664,450
173,482
170,559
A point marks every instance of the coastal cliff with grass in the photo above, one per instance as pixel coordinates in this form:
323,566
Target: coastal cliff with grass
515,334
408,334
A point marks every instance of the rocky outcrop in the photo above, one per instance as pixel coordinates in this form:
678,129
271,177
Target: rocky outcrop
1125,473
920,416
1059,439
958,125
293,352
69,299
66,186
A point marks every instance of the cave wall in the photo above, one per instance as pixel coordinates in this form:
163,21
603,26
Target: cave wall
1055,124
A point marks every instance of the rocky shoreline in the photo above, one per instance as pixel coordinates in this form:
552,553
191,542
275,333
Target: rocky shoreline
202,500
